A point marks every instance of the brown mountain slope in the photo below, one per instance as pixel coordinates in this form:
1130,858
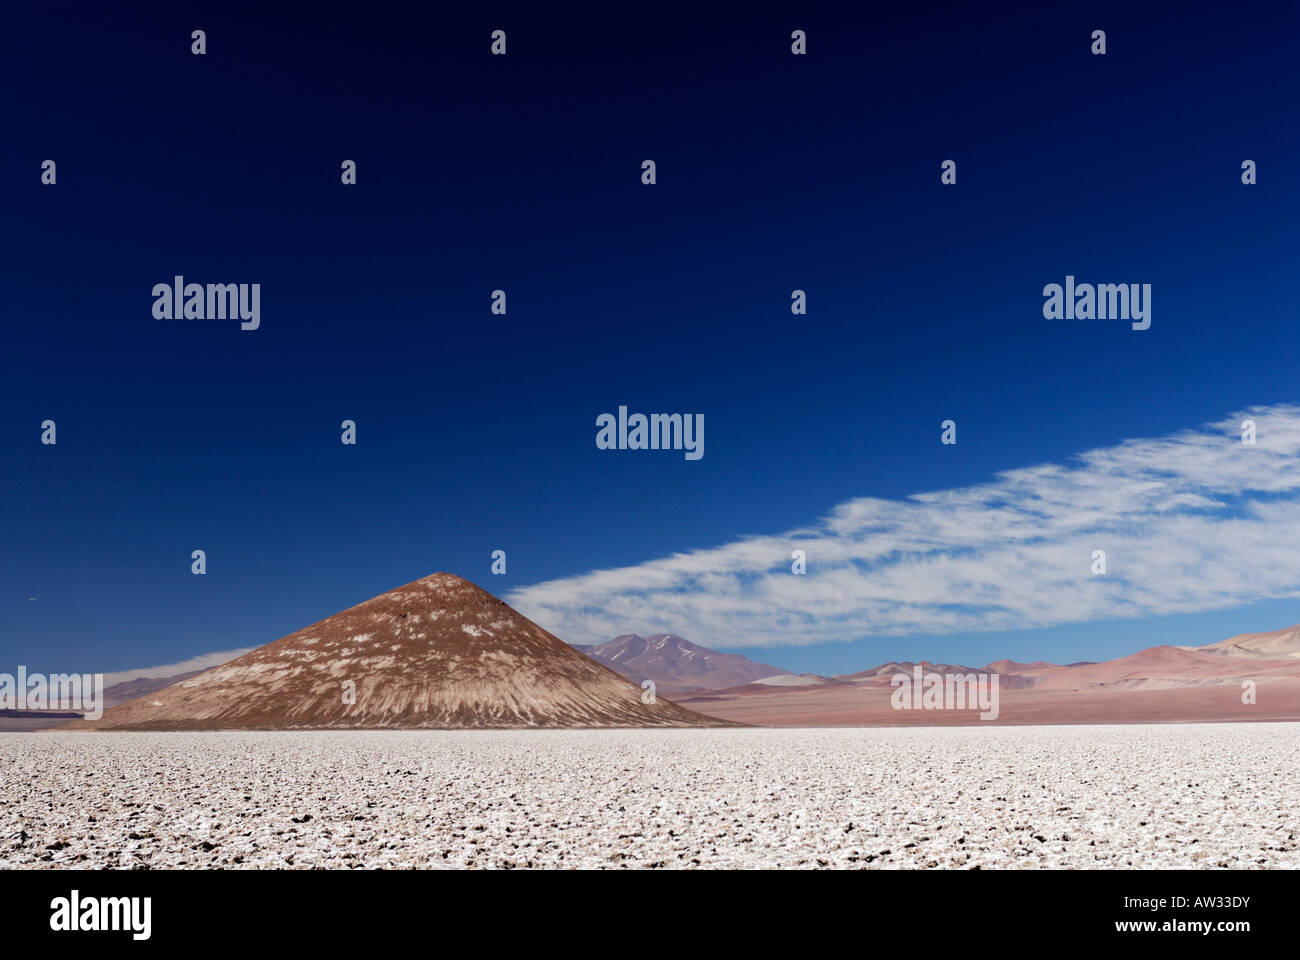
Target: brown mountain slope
436,653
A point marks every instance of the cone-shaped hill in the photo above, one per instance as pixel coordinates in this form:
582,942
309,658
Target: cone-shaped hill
436,653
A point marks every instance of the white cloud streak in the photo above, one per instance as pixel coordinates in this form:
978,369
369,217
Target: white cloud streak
1190,522
201,662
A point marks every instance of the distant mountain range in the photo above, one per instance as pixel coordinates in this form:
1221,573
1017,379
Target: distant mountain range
449,669
675,664
139,686
1158,684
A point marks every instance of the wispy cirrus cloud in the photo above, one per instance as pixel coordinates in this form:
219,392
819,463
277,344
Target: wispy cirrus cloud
1190,522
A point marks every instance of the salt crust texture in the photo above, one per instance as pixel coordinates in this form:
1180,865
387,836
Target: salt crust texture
1196,795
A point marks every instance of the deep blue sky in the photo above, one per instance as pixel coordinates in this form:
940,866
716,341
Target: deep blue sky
523,173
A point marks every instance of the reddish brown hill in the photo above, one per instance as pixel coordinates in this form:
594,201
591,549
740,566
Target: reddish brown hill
1276,645
1166,666
884,673
436,653
1021,669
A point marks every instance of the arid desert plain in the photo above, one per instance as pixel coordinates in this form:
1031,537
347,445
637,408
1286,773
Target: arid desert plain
1185,795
